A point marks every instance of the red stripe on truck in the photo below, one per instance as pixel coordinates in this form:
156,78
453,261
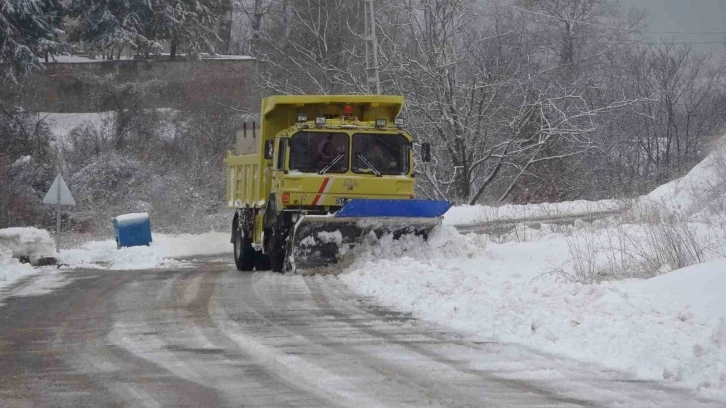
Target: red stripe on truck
321,190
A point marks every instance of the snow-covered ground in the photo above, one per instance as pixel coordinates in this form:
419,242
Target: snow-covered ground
31,243
11,269
566,290
570,290
61,124
164,251
668,328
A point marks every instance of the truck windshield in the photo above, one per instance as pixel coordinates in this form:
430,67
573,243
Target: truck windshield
380,153
313,152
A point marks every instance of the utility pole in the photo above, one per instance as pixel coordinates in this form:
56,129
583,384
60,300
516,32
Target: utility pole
371,48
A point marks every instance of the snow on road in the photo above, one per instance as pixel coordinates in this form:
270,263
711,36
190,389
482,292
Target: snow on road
163,252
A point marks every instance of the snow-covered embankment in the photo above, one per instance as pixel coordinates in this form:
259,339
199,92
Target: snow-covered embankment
669,328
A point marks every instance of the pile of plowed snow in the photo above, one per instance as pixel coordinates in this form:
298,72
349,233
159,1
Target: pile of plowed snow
670,328
501,292
11,269
702,187
32,243
165,251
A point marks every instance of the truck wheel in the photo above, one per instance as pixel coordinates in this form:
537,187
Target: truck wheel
262,261
244,254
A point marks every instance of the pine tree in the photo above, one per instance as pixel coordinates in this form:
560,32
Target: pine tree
29,29
109,25
187,24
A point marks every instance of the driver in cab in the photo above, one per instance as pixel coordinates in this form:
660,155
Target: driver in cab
381,158
330,151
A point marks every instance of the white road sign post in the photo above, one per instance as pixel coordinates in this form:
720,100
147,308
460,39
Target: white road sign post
58,194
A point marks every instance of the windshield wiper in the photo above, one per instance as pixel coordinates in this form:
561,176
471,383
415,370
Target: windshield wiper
331,164
370,166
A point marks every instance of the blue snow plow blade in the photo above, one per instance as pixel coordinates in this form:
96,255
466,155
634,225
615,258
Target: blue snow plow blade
322,240
393,208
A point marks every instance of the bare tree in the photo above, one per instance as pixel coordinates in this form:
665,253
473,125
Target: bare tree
313,46
683,112
485,87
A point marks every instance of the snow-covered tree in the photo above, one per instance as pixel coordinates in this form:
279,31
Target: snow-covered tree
109,25
187,25
28,30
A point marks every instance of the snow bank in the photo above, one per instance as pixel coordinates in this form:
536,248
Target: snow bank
472,214
31,242
694,286
503,293
668,328
11,269
691,193
160,254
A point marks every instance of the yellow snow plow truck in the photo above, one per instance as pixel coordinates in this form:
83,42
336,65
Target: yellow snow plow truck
320,174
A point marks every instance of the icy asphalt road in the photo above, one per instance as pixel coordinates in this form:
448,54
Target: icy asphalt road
210,336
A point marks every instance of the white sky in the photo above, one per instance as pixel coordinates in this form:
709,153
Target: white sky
685,15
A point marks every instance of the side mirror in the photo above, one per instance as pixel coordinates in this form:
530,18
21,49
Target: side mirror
269,149
425,152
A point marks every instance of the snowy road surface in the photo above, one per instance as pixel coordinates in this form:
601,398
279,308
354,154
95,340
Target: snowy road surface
210,336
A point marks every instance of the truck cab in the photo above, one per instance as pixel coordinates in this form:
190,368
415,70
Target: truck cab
321,164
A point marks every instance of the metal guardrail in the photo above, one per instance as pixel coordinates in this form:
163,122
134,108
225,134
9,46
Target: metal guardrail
503,226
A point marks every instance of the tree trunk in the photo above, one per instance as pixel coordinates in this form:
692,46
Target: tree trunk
172,48
286,18
256,25
461,179
568,48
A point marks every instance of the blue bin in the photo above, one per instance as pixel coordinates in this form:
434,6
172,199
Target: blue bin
132,230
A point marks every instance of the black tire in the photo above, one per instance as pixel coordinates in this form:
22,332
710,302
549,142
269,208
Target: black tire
287,266
277,255
262,261
244,254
